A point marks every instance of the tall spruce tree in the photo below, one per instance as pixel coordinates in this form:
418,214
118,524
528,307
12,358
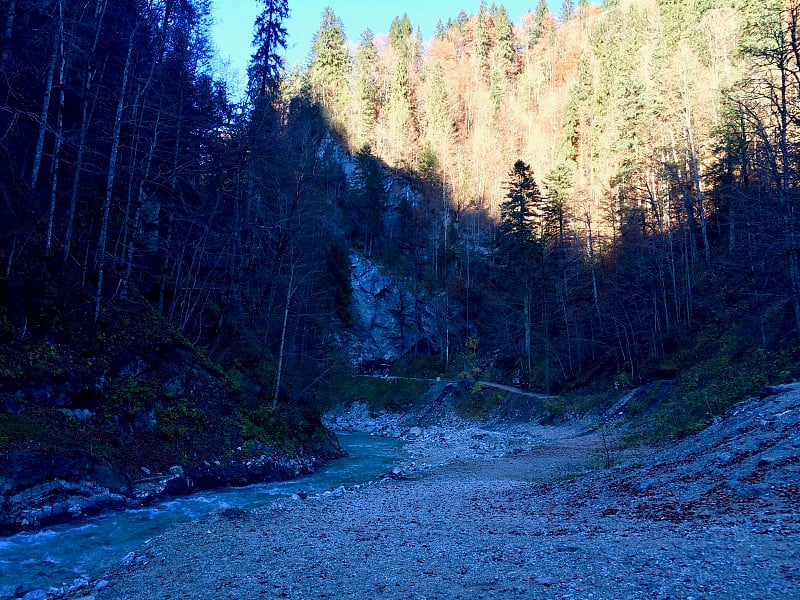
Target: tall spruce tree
329,63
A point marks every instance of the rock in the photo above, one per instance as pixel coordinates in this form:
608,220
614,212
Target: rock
390,320
21,590
127,560
414,433
757,490
725,457
80,414
145,420
145,470
78,584
100,585
110,478
545,581
36,595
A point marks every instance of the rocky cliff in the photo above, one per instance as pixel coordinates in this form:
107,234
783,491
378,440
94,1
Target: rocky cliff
390,319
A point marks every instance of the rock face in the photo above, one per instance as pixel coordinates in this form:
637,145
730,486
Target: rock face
390,320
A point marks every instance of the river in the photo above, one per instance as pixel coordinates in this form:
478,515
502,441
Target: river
57,555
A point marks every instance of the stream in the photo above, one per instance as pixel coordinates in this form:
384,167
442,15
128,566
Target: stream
58,555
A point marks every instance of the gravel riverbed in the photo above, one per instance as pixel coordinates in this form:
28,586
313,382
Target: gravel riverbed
520,511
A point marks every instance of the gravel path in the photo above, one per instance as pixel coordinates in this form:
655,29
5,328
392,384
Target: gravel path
488,513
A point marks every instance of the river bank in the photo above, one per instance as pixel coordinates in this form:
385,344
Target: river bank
715,515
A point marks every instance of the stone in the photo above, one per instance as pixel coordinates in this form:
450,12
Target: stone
390,320
176,470
757,490
145,470
414,433
35,595
100,585
127,560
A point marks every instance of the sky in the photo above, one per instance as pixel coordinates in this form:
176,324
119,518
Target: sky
232,32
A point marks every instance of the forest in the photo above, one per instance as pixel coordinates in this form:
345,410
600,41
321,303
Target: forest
607,195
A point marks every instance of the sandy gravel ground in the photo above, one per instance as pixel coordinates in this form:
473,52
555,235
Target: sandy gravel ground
526,511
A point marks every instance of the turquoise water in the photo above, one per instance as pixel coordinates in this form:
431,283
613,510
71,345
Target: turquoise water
58,555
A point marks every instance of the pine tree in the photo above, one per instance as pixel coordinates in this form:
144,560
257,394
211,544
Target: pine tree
481,39
504,40
567,10
269,39
329,64
365,93
520,214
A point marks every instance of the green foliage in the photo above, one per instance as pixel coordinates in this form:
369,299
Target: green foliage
329,63
336,282
178,420
399,32
520,216
422,367
18,428
480,402
393,395
270,37
133,394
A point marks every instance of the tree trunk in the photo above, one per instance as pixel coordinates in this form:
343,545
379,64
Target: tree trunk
12,8
58,133
112,169
526,308
48,89
86,117
279,368
696,180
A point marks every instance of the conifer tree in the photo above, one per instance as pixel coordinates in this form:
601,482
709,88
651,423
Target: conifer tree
365,92
329,63
481,39
269,39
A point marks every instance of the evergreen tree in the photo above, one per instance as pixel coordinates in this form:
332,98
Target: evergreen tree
399,107
365,95
536,26
520,215
567,10
329,63
438,123
519,249
399,33
504,40
367,200
270,37
481,39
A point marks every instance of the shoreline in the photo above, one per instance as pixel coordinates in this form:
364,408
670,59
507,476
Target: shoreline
486,520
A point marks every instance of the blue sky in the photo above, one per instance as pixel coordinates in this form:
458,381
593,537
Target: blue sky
233,29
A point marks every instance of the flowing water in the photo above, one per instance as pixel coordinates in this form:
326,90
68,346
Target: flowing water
58,555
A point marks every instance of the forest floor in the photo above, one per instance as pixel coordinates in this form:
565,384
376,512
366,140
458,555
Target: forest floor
524,511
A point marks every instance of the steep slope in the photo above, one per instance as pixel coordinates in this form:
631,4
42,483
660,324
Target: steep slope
122,411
